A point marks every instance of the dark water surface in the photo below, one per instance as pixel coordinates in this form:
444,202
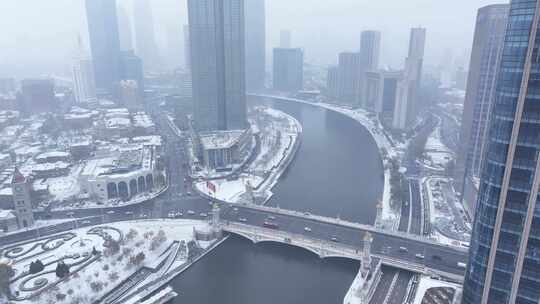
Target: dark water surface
337,171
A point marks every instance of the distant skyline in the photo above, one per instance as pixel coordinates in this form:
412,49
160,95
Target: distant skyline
39,37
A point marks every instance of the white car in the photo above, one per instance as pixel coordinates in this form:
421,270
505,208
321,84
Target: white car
243,219
202,214
307,229
110,212
419,256
191,212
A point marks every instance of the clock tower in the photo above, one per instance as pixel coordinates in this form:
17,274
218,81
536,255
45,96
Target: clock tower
21,200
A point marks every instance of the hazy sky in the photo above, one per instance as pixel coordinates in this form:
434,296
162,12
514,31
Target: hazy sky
38,36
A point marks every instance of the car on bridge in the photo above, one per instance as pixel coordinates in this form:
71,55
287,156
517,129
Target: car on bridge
270,225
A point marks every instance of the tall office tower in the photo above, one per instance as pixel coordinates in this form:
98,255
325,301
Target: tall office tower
381,89
104,44
485,56
285,39
349,77
408,103
288,71
83,75
216,31
37,96
255,44
505,244
332,82
370,49
145,41
20,189
124,28
131,68
187,48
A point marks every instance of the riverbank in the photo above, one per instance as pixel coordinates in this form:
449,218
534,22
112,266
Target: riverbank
387,217
279,139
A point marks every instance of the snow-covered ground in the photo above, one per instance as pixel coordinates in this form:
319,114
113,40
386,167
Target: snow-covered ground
438,155
103,272
278,133
88,204
426,283
446,212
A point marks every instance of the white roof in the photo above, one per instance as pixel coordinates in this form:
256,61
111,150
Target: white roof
220,139
6,214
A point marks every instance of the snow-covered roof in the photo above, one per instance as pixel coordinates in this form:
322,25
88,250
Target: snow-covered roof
151,140
220,139
6,214
46,155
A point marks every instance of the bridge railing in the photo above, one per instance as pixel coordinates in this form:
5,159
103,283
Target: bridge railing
345,223
322,247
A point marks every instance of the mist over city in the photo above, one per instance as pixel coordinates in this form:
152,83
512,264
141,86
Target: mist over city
269,151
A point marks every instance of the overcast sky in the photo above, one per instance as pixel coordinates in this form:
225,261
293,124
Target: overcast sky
38,36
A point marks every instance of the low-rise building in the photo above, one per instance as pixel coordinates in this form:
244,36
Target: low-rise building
8,221
120,174
220,150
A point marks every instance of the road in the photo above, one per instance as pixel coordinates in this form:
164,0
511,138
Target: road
176,199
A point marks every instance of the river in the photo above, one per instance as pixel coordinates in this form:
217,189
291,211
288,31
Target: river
337,172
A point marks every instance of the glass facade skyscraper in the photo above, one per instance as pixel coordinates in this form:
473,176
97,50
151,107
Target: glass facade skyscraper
216,33
104,43
504,262
487,46
255,16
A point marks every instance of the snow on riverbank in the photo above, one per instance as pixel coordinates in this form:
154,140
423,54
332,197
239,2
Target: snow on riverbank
278,134
374,127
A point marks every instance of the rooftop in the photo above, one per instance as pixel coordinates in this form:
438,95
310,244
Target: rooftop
220,139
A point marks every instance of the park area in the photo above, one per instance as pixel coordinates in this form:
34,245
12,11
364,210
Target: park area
109,262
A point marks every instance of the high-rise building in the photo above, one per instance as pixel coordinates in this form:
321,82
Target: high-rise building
216,31
370,49
381,93
124,28
131,68
349,77
255,44
37,96
187,48
288,69
20,189
104,44
285,39
332,82
504,252
408,97
83,75
145,41
485,56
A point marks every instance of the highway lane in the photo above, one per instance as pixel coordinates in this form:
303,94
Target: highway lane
399,291
383,287
416,205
